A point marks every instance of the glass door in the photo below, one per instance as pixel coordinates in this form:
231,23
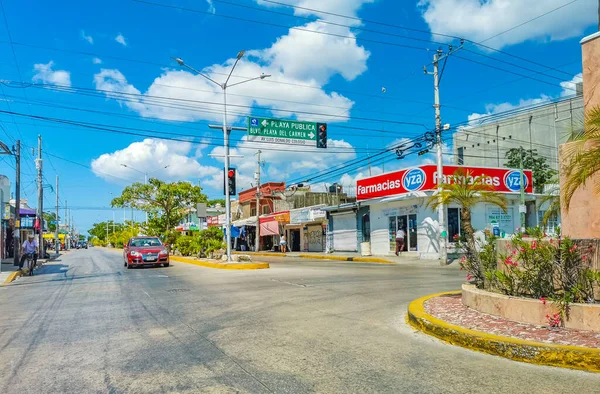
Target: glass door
392,232
412,232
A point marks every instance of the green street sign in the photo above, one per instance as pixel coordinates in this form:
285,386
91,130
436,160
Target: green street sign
287,132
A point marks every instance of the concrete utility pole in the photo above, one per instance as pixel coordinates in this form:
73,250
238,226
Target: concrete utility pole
56,240
17,234
522,207
66,225
257,241
440,162
38,165
442,235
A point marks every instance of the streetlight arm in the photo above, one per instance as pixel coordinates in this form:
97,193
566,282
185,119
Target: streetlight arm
231,72
181,63
158,169
131,168
248,80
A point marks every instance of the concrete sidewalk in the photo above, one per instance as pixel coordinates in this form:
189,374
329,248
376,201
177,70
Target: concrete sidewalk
405,258
9,268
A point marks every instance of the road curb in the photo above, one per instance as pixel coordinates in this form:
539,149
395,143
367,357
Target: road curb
223,266
574,357
322,257
14,275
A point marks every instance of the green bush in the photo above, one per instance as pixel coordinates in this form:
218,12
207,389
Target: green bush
187,245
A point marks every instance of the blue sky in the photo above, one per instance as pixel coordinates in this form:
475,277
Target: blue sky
107,64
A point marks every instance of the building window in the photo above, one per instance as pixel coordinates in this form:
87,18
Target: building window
461,155
453,223
252,211
366,228
265,209
552,224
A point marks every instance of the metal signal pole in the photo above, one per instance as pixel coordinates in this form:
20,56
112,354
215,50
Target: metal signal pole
38,164
17,234
257,241
56,240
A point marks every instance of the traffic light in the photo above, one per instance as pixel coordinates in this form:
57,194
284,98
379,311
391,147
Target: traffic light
321,135
231,181
423,152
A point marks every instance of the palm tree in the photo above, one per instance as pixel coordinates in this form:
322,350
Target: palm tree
468,191
582,157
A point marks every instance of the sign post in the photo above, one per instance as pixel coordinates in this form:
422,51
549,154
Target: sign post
287,132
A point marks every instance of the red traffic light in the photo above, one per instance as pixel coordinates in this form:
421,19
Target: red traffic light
230,173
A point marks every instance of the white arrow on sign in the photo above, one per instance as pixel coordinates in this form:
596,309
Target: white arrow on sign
311,135
265,123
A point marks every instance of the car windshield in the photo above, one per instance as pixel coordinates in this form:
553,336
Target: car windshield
142,242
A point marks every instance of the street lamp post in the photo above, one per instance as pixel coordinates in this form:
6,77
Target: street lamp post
224,87
145,177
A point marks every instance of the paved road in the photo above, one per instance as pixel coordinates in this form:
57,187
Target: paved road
87,325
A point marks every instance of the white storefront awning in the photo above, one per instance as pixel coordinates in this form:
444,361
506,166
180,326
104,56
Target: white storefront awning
251,221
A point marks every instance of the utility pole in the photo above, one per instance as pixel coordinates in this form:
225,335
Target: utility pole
522,207
107,231
440,162
56,240
66,225
38,164
257,241
17,234
437,76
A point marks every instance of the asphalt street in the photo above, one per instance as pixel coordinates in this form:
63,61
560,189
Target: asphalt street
86,324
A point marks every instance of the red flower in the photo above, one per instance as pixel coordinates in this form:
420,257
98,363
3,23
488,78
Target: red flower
514,252
534,245
510,262
469,277
543,301
573,248
456,237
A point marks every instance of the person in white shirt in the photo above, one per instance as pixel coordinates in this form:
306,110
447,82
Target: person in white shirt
400,234
29,246
282,243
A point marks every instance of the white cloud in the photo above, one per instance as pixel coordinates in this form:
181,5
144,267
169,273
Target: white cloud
97,60
294,54
211,6
45,74
151,155
342,7
493,109
570,86
478,20
88,38
121,40
341,56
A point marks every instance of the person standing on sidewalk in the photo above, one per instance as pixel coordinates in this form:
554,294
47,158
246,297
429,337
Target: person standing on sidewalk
400,234
282,243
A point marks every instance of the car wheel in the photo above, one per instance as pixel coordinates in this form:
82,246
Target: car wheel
165,264
124,263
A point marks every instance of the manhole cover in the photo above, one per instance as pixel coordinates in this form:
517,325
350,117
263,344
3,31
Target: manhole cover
178,290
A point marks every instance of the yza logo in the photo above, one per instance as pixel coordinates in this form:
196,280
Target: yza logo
413,179
512,181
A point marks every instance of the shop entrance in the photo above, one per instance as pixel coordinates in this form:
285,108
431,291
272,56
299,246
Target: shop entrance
295,240
409,224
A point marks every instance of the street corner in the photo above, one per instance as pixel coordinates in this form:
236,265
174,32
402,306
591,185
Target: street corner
510,347
221,265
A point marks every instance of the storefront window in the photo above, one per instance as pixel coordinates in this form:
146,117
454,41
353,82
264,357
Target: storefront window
453,223
366,228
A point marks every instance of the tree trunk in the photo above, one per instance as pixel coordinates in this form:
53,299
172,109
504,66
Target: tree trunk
471,246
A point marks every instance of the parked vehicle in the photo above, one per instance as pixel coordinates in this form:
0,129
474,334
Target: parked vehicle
140,251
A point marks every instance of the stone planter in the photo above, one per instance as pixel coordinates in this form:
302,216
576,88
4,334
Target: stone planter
528,310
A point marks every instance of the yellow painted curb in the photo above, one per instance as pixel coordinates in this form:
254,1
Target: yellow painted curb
321,257
223,266
575,357
14,275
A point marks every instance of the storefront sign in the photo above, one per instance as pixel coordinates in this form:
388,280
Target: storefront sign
307,215
504,180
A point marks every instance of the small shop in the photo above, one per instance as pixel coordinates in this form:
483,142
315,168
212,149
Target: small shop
397,200
246,235
271,228
306,229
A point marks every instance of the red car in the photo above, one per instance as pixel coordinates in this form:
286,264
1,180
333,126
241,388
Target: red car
141,251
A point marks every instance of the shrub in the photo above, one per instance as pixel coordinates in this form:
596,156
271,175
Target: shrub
187,245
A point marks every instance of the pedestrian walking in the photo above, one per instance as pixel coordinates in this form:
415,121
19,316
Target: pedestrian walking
400,234
282,243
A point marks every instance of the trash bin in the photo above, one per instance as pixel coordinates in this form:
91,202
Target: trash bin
365,248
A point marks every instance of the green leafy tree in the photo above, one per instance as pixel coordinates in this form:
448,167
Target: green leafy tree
165,203
98,230
542,172
50,217
466,191
213,203
582,157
